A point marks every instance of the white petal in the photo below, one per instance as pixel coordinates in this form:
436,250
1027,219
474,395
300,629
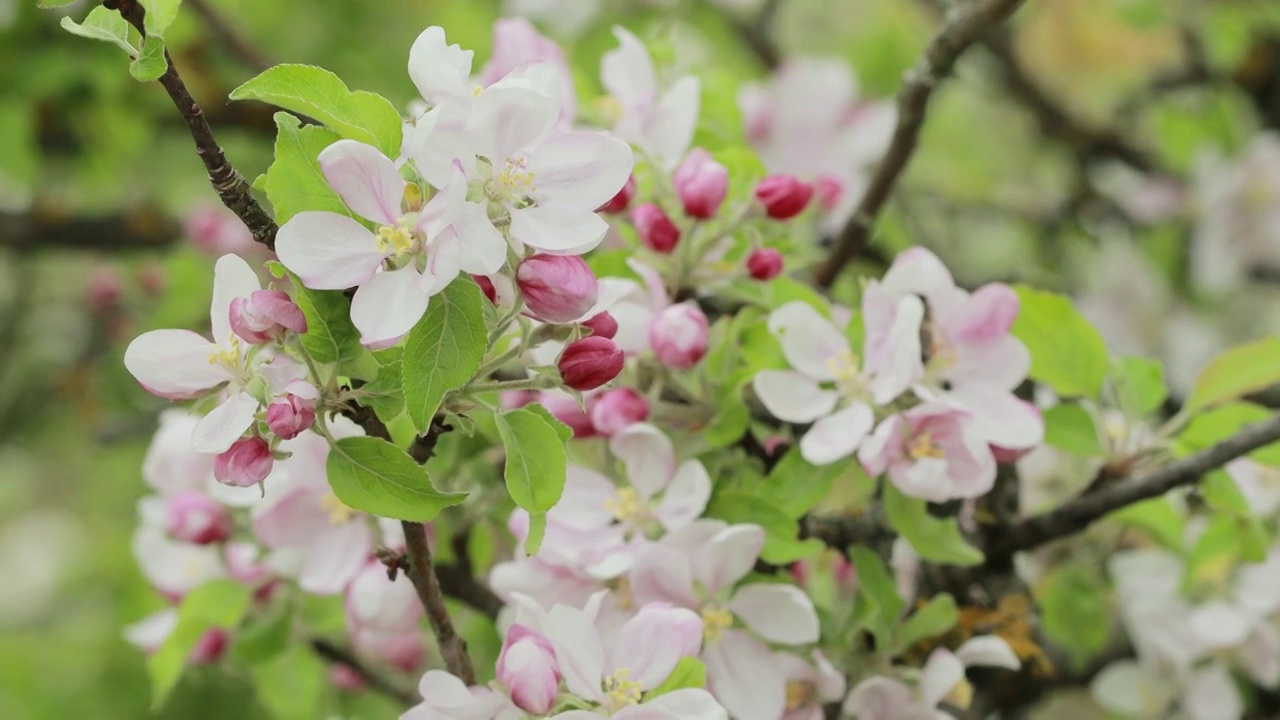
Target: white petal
558,229
690,704
810,342
583,168
648,456
328,251
335,556
509,117
389,305
1126,688
793,396
686,497
778,613
728,556
674,121
232,278
940,674
439,70
367,180
174,363
741,674
989,650
837,435
483,250
662,574
579,653
627,72
224,424
918,271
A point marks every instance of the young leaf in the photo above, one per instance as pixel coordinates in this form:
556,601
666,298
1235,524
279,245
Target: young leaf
1067,353
102,24
878,601
1070,427
795,485
217,604
1141,385
936,617
1217,424
935,539
291,685
1237,372
444,349
150,63
689,673
385,393
535,467
374,476
330,336
318,93
265,637
537,530
1222,494
294,182
781,544
1076,615
159,16
1157,518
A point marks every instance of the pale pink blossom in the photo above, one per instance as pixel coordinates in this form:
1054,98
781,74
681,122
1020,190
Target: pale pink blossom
617,409
265,315
383,615
557,288
931,452
811,683
515,43
678,335
701,183
660,121
196,518
527,667
941,678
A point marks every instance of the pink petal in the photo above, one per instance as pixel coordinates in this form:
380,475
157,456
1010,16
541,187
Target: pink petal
986,315
792,396
662,574
648,456
389,305
999,416
1003,362
583,168
367,180
174,364
837,435
686,497
289,519
728,557
334,558
810,342
579,652
224,424
882,446
232,278
778,613
898,364
558,229
439,70
650,644
741,674
328,251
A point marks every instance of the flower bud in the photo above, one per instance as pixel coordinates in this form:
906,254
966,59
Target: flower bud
602,325
564,407
622,199
486,286
265,315
151,278
209,647
764,264
588,363
290,415
345,677
783,196
247,462
196,518
527,666
678,335
701,183
655,229
104,289
557,288
616,409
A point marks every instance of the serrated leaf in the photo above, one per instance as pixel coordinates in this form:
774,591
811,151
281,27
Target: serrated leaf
781,544
1236,372
150,63
330,336
1067,353
536,462
444,349
160,15
217,604
1070,427
689,673
372,475
103,24
318,93
933,538
936,617
294,182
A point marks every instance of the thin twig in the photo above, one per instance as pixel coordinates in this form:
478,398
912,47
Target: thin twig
230,38
339,655
913,100
226,181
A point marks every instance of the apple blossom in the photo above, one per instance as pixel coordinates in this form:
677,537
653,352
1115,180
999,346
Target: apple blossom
931,452
515,43
660,122
941,678
588,363
617,409
289,415
678,335
264,316
701,184
197,518
556,288
655,229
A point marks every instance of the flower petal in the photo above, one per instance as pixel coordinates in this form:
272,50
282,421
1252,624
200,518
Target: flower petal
674,121
988,650
648,456
627,71
940,674
224,424
810,342
837,435
686,497
558,229
662,574
507,117
792,396
650,644
741,674
174,364
583,168
335,556
367,180
999,416
232,278
579,653
689,704
879,698
917,271
728,556
328,251
439,70
389,305
483,250
778,613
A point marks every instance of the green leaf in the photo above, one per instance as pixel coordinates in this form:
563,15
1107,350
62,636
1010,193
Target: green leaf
150,64
1075,612
330,336
47,4
1217,424
1157,518
1237,372
103,24
933,538
781,543
879,604
1222,494
444,349
385,393
1215,552
265,637
795,485
689,673
1140,385
537,530
936,617
217,604
535,467
294,182
1070,427
292,685
318,93
160,15
1067,353
374,476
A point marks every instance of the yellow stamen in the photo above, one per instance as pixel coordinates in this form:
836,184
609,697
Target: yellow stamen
515,177
610,109
228,357
412,197
922,446
961,695
621,689
714,622
845,369
338,511
626,505
800,693
395,237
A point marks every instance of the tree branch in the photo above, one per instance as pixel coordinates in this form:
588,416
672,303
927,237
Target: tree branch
226,181
339,655
755,32
40,229
1078,514
965,28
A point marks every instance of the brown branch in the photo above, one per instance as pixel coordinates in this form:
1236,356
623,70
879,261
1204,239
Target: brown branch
755,33
42,228
229,37
226,181
338,655
1078,514
939,57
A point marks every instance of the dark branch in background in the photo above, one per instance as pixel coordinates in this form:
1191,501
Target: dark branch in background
1078,514
459,581
756,33
339,655
140,228
228,36
226,181
913,100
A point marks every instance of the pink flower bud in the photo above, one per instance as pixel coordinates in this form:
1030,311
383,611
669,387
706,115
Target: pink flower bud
588,363
218,231
265,315
152,279
209,647
655,229
247,462
486,286
622,199
345,677
602,325
678,335
196,518
557,288
829,189
104,289
616,409
764,264
564,408
290,415
783,196
527,666
701,183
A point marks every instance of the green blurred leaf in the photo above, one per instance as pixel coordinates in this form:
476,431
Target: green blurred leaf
936,617
294,182
292,685
265,637
1217,424
1070,427
1236,372
150,64
46,4
444,349
330,336
781,545
217,604
1215,552
1157,518
1141,385
1067,353
878,599
795,485
689,673
372,475
1222,494
318,93
103,24
160,15
1075,612
933,538
535,466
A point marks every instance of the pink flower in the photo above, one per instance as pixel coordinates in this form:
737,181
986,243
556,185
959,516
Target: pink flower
661,122
931,452
783,196
383,615
174,567
527,667
764,264
616,409
517,43
290,415
602,325
678,335
265,316
247,462
810,684
104,289
702,184
557,288
588,363
655,229
197,518
883,698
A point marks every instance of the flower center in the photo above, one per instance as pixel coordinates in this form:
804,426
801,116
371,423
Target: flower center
338,511
626,505
847,378
922,446
227,355
396,239
800,693
715,621
515,178
621,689
610,109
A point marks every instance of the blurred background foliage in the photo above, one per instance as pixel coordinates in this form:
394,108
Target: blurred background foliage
97,174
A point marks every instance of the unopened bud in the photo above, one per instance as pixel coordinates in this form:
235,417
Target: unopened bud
290,415
265,315
702,184
588,363
527,667
486,286
104,289
655,229
678,335
209,647
196,518
247,462
783,196
602,325
618,408
622,199
764,263
557,288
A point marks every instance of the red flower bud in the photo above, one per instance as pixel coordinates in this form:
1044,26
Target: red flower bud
678,335
702,184
290,415
557,288
265,315
486,286
764,263
783,196
655,229
196,518
602,325
620,201
588,363
247,462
